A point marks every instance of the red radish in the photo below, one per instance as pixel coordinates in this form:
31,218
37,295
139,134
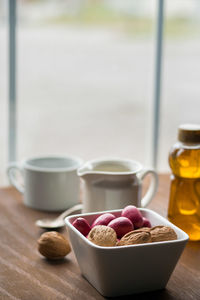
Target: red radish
103,219
146,223
132,213
121,225
82,225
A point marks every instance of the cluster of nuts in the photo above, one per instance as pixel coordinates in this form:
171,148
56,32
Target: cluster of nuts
128,229
107,231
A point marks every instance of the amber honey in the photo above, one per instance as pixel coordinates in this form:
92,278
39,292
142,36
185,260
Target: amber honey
184,202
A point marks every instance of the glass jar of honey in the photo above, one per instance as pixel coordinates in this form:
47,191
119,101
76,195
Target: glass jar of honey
184,161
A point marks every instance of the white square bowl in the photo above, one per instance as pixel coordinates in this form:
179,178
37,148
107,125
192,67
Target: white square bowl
125,270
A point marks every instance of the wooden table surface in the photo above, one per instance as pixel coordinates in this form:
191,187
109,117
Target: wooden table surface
24,274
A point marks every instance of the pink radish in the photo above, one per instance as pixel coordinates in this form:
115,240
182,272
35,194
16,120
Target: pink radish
121,225
103,219
146,223
82,225
132,213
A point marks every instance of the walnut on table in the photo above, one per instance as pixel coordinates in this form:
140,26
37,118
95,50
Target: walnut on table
53,245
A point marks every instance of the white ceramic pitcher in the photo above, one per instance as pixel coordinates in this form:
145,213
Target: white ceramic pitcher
114,183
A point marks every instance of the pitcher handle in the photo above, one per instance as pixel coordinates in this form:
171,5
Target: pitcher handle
152,187
12,178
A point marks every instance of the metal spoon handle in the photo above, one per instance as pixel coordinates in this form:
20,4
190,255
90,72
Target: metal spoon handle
76,208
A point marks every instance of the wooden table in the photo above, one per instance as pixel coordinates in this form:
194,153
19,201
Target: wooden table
24,274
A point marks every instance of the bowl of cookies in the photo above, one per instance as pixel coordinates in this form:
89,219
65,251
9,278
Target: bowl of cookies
126,251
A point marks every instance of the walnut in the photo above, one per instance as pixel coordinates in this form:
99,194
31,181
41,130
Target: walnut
135,237
53,245
162,233
103,236
144,229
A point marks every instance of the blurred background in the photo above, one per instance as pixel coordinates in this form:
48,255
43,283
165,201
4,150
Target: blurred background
85,76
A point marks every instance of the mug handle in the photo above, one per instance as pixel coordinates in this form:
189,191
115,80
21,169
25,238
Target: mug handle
12,178
152,187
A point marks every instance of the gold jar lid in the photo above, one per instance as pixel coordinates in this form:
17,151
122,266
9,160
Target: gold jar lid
189,133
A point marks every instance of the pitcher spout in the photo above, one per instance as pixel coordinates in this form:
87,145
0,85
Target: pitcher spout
83,171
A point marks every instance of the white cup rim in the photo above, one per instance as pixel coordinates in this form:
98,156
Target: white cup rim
27,166
87,167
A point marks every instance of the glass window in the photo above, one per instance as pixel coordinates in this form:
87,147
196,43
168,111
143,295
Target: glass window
85,72
85,77
181,71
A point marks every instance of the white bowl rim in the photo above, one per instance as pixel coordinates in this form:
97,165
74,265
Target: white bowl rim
184,238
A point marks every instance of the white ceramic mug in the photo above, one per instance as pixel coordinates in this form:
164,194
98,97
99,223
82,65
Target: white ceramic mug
115,183
50,183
